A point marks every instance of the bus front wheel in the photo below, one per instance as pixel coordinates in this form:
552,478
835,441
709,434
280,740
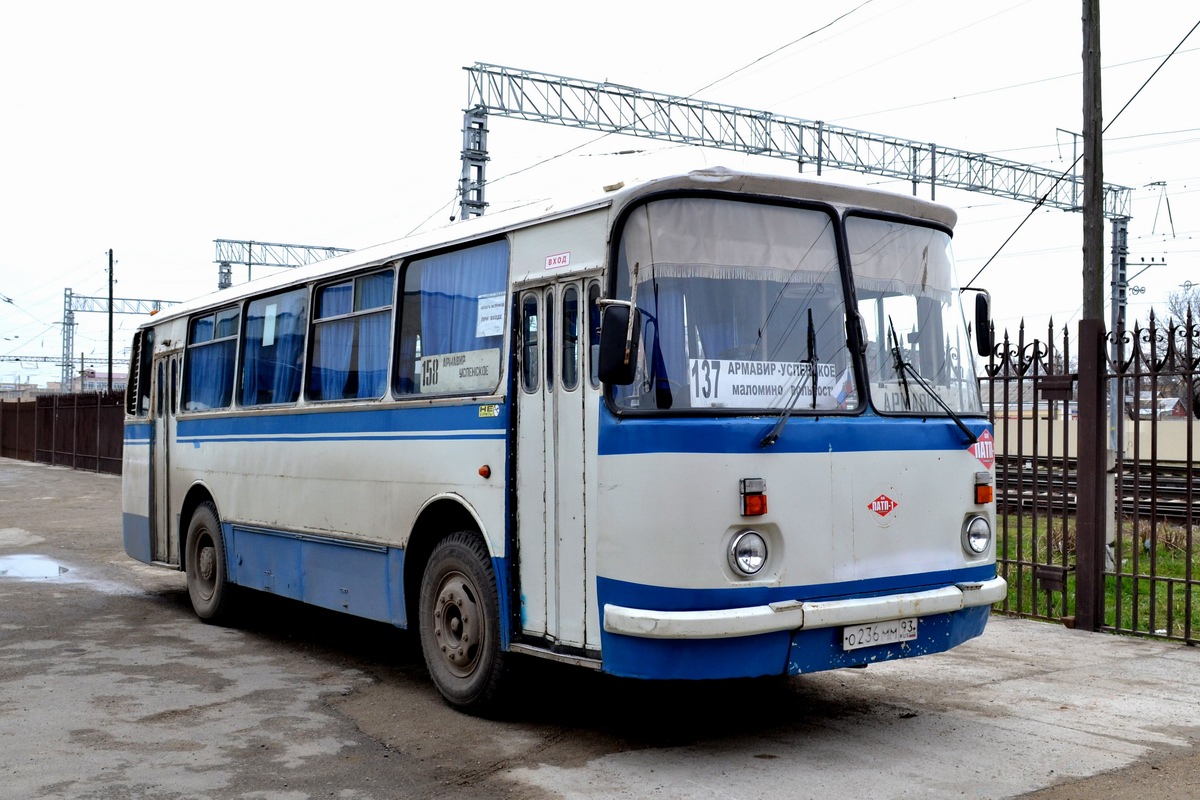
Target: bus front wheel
207,575
460,623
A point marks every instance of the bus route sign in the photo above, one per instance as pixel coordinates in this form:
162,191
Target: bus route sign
717,383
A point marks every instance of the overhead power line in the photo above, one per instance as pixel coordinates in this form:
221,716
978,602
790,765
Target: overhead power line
577,103
1070,169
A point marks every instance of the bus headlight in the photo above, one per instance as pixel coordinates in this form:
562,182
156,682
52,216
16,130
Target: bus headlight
977,536
748,552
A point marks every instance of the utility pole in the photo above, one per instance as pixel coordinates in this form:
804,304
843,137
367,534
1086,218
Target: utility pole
1091,506
110,317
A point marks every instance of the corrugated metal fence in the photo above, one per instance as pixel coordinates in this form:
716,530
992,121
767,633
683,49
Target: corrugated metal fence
81,431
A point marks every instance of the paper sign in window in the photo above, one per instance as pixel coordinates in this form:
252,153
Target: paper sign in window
490,320
268,337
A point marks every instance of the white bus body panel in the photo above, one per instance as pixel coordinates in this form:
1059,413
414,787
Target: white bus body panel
820,528
365,487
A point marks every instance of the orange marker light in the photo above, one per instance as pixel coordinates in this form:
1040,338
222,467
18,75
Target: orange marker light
984,491
754,497
754,505
485,471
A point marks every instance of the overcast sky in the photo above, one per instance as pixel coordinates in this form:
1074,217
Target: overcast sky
155,128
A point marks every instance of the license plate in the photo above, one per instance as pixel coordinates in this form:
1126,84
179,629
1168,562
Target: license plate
877,633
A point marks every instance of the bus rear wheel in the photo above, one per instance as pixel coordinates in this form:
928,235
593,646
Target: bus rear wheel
206,567
459,620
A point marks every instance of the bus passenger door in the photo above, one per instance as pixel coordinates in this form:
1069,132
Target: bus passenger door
165,547
557,407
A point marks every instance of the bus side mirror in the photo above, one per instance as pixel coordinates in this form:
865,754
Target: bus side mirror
619,344
983,323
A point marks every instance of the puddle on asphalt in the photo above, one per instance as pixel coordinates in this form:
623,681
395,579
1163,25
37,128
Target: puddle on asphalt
30,568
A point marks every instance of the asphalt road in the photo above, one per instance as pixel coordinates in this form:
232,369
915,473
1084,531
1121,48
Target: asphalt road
111,688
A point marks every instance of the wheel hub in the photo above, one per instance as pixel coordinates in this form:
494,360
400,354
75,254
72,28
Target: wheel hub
208,564
456,624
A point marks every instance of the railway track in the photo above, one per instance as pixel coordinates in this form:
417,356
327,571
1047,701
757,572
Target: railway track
1170,492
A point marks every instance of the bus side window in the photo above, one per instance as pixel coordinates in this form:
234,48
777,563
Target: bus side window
453,313
570,338
208,369
550,339
593,327
137,389
174,388
351,323
529,343
273,348
159,409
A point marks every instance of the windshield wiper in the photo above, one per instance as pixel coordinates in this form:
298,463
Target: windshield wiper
902,366
773,437
898,363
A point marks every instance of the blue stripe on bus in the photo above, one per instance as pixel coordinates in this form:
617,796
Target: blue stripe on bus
135,531
365,580
779,652
821,649
139,433
442,422
858,434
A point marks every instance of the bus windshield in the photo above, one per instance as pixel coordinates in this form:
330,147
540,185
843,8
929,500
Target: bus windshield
912,318
742,308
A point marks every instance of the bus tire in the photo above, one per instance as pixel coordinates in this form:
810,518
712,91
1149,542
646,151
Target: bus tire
207,570
459,622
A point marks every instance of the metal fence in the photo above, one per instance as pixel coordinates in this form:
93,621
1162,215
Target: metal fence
81,431
1149,575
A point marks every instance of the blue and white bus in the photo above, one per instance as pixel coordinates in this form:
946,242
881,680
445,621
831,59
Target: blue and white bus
714,425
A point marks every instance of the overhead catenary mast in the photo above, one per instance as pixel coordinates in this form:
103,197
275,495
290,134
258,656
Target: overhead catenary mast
611,108
607,107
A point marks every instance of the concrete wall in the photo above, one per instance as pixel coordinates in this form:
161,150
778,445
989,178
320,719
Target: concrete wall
1171,433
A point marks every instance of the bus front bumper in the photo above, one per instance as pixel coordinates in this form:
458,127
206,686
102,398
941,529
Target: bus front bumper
796,615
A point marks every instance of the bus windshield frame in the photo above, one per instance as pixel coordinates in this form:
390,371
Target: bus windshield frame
912,318
744,300
740,319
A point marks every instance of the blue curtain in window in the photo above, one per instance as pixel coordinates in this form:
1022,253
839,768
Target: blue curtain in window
333,301
331,358
406,356
202,330
209,376
271,370
289,350
251,355
374,291
451,285
333,343
668,355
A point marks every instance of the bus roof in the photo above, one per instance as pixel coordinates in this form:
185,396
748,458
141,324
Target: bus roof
615,198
